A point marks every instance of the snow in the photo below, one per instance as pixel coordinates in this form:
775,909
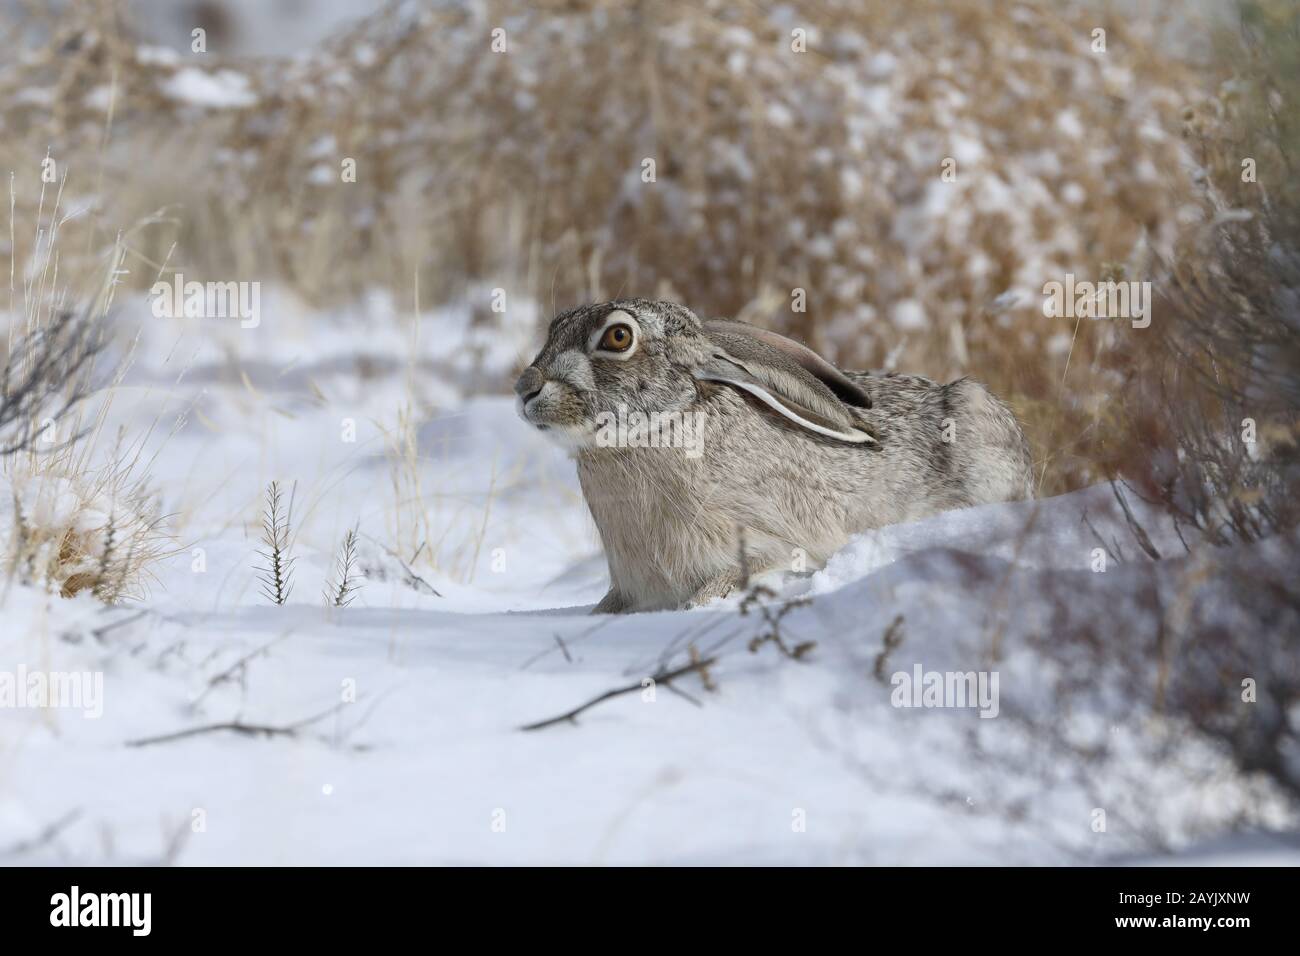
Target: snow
784,761
218,89
910,315
1067,121
156,55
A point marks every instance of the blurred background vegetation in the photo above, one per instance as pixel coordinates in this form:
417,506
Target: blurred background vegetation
798,160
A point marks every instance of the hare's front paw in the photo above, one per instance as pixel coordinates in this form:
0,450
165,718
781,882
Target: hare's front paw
611,603
717,587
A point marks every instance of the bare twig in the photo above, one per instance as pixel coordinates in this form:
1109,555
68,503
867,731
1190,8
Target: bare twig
1087,523
238,665
46,835
98,633
705,677
1139,532
39,368
560,641
674,689
238,727
772,622
551,649
660,677
412,579
892,637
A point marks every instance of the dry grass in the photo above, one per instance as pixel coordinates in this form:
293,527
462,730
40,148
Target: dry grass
80,515
74,530
774,170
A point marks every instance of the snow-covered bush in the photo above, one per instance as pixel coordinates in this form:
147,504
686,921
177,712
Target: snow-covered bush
74,532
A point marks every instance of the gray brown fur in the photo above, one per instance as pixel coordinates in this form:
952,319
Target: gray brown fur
670,524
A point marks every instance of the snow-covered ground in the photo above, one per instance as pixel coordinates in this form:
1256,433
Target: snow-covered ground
405,708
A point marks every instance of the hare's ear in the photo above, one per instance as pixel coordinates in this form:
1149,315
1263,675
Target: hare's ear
845,389
782,384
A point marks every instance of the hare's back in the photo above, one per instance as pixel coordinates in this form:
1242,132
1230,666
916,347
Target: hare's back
966,440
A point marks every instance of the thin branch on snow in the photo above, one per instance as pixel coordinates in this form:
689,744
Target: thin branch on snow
413,580
683,695
567,656
660,677
47,835
99,633
1139,533
892,637
551,649
238,666
239,727
758,597
1113,549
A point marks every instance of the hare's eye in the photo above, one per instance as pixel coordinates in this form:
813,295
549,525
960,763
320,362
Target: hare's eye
617,338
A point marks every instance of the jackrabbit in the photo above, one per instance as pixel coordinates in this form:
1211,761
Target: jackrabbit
692,436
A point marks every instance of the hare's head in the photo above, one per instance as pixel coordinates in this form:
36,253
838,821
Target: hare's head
634,355
624,356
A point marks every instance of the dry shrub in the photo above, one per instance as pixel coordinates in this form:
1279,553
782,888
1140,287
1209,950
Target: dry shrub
1218,412
1229,458
74,516
73,521
1213,419
84,530
774,170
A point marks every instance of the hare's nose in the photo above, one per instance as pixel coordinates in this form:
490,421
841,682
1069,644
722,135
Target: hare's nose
529,384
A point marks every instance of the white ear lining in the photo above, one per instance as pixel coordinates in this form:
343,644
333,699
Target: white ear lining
617,317
766,397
